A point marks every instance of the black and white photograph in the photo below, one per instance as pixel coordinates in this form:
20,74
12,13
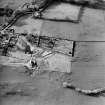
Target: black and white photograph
52,52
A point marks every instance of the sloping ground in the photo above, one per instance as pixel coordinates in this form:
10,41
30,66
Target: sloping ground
32,25
44,89
91,28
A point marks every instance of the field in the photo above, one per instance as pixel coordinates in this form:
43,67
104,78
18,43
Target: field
87,65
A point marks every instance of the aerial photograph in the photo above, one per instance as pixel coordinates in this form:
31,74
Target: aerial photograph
52,52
